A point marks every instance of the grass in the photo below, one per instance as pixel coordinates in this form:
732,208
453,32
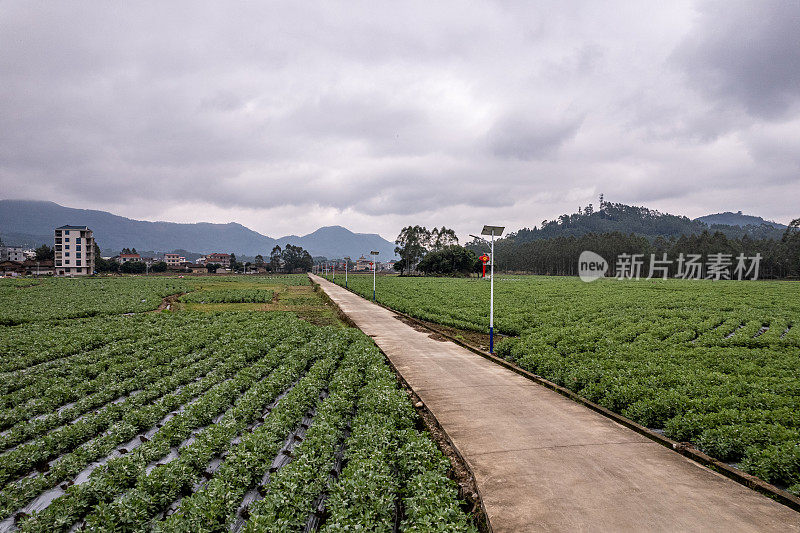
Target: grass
300,300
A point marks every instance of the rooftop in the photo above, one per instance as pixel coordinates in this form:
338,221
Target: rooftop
84,228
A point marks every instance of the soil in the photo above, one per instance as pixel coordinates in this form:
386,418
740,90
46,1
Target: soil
168,301
474,338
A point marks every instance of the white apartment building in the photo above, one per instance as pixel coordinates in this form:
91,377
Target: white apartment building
12,253
74,247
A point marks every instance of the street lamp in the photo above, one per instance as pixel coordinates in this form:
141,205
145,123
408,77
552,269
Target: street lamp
492,231
374,269
346,263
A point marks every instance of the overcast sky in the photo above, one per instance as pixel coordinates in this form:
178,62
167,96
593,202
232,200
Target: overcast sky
288,116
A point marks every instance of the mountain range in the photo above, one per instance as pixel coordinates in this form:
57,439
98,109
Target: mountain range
31,223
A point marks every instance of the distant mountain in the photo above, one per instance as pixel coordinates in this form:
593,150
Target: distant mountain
643,222
30,222
738,219
330,240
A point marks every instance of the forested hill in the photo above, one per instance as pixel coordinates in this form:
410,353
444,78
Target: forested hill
640,221
737,219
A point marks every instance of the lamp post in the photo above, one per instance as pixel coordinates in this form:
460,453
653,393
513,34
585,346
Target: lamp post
346,263
492,231
374,269
334,271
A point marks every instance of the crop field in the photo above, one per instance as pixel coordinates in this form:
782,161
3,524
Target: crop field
205,421
229,296
36,300
716,364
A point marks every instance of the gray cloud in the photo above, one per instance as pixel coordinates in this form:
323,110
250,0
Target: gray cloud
375,115
529,138
747,52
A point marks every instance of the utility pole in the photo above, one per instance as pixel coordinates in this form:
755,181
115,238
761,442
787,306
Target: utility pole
374,270
492,231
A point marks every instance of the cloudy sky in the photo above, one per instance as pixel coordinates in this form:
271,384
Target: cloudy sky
287,116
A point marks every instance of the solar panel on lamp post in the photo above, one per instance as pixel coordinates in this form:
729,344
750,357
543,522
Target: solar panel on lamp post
492,231
374,269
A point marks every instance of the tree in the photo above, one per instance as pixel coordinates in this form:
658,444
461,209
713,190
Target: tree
103,265
453,260
275,258
233,261
259,260
212,267
296,258
161,266
412,244
45,253
133,267
442,238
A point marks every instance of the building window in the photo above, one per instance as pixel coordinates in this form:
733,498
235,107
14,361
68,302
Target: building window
58,263
66,254
66,239
78,262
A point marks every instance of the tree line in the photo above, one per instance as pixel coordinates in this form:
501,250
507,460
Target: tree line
780,258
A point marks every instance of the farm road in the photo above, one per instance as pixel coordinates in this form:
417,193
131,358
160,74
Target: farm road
545,463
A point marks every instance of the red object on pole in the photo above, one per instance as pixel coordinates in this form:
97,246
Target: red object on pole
484,259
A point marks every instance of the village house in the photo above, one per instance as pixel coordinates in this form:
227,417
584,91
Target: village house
362,264
13,253
126,258
38,268
220,259
11,268
172,260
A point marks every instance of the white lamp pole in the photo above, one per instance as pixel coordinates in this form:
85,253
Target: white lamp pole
374,270
492,231
346,261
491,298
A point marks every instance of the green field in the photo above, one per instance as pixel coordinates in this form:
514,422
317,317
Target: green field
713,363
116,418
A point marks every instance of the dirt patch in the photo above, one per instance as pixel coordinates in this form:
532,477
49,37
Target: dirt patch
477,339
168,302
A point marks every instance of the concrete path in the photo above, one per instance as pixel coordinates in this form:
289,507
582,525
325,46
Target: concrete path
545,463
